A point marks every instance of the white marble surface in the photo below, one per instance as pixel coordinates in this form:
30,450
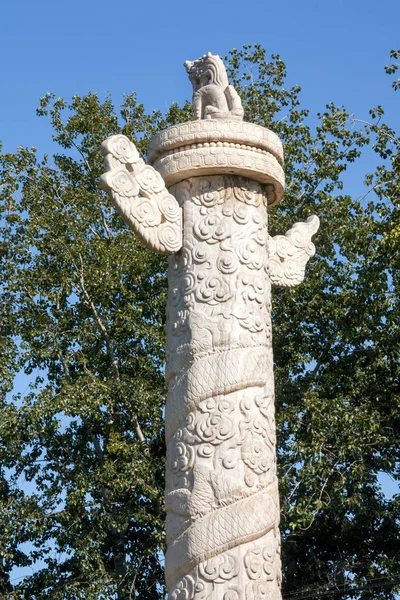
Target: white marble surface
221,488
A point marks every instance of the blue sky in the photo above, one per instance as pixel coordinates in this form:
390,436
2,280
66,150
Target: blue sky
334,50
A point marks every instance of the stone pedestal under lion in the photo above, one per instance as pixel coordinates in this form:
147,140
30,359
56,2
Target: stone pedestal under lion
203,200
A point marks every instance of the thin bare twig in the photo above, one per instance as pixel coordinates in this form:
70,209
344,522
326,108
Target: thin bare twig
110,353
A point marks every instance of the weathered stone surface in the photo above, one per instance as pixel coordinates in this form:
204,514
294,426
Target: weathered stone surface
213,97
139,194
290,253
219,147
221,488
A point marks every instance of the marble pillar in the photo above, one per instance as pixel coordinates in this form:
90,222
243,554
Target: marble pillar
203,200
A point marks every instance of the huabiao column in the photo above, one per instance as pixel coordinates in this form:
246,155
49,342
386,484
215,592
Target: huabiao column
203,200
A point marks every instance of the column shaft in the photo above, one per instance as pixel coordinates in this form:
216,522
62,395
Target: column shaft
221,487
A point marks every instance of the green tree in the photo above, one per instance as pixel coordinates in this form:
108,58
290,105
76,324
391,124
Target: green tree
82,311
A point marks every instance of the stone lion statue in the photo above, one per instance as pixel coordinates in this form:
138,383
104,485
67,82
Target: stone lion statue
213,97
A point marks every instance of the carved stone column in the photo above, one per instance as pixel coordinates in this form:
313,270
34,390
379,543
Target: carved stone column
222,494
220,176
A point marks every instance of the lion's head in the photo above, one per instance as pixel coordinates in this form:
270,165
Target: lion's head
208,69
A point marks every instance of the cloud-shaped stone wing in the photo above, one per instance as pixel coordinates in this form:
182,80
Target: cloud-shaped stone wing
289,253
139,194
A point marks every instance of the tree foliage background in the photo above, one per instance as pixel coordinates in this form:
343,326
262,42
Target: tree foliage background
82,309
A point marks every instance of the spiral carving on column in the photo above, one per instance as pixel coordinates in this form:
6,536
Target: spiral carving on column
221,488
221,492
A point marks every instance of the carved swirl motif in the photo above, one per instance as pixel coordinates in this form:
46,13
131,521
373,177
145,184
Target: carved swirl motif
227,263
212,229
290,253
250,254
139,194
259,590
213,289
169,236
184,590
183,457
232,594
221,483
169,207
149,180
146,213
118,149
259,563
211,192
215,425
220,568
123,183
221,488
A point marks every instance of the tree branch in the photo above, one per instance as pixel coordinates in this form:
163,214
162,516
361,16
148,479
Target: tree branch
110,353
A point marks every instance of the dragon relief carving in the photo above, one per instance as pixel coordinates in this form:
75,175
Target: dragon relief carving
221,495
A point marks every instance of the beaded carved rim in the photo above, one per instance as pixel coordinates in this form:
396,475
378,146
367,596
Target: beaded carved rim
207,147
215,132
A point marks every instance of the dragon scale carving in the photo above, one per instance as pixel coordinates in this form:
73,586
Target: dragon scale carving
221,492
203,200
